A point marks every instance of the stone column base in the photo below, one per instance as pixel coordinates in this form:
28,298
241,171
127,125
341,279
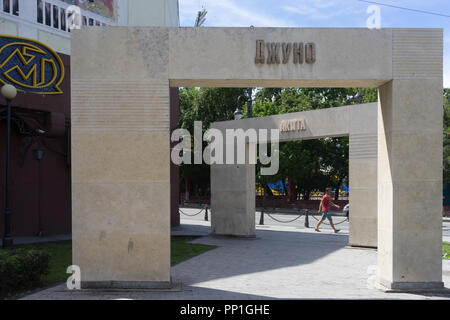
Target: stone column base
434,286
158,285
234,236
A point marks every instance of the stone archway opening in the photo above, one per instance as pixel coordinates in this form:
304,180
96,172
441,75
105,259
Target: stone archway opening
233,201
120,125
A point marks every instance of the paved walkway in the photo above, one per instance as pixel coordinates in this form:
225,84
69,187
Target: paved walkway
282,262
298,223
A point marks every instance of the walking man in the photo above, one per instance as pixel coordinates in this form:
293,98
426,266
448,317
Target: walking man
324,208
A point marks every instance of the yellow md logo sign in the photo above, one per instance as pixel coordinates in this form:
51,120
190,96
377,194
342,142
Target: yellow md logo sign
30,66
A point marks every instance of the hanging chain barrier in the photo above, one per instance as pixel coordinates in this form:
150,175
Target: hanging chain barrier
304,212
335,223
204,207
273,218
191,215
286,211
265,211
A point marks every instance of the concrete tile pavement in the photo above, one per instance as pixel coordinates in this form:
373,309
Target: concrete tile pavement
281,263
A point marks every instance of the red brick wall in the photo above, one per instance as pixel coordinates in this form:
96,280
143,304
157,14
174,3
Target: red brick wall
38,190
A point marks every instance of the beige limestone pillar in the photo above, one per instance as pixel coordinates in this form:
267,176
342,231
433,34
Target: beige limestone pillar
233,197
410,184
233,200
363,175
410,164
120,157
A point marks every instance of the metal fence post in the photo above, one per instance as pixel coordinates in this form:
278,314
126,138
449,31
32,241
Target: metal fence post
261,218
307,219
206,213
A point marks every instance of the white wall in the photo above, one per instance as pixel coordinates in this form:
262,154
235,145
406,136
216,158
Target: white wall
172,13
154,13
146,13
129,12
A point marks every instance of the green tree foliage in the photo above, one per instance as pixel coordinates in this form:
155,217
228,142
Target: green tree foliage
21,269
206,105
446,162
201,18
310,164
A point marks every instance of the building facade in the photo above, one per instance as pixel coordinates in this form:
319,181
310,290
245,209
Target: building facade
41,138
48,20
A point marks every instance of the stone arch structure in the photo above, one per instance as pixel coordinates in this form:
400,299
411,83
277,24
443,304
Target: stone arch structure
120,131
233,186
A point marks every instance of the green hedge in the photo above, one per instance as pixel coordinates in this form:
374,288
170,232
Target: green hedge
21,269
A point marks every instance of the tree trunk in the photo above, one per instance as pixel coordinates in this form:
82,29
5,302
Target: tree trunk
291,191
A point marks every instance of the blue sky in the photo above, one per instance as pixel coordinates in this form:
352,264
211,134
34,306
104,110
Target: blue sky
320,13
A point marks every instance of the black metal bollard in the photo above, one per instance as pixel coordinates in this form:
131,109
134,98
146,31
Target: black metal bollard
206,213
261,217
306,219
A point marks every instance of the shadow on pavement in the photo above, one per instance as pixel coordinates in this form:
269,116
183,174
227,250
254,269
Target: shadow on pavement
270,250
